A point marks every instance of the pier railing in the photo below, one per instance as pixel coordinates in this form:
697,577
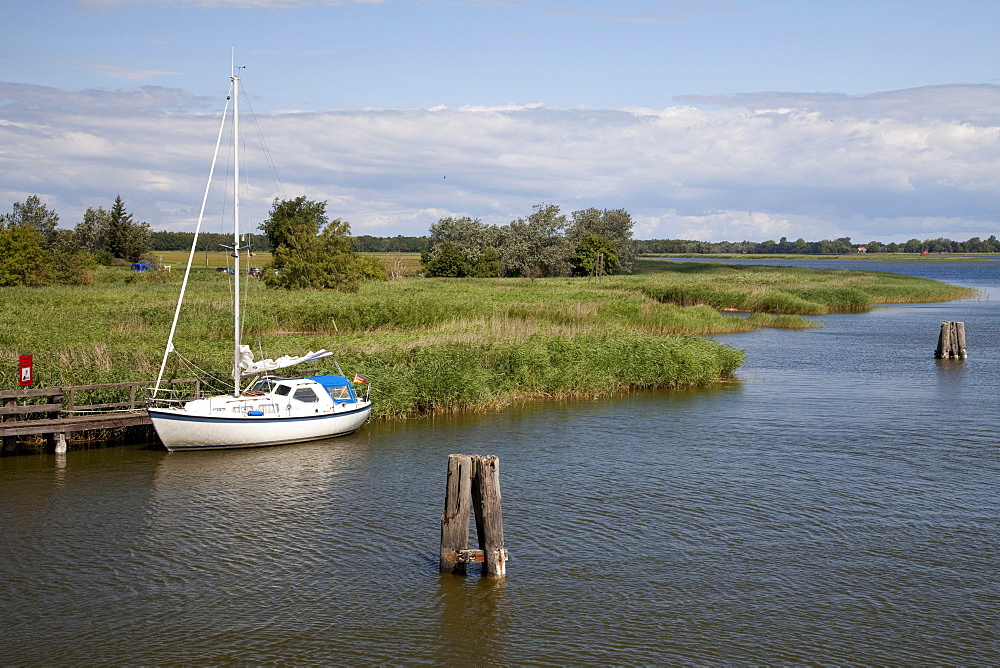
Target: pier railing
56,412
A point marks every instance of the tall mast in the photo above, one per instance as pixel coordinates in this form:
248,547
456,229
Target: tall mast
236,235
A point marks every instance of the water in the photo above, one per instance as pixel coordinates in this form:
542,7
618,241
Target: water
837,505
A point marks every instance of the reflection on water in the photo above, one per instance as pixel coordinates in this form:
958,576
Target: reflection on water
836,505
474,620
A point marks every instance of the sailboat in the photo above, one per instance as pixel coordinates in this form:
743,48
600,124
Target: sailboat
262,408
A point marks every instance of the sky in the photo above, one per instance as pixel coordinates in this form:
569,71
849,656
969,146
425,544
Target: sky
709,120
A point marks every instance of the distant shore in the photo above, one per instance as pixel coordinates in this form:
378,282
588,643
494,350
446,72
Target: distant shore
871,257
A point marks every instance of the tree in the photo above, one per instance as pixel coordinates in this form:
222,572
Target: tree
585,257
470,238
125,238
615,225
292,216
310,252
24,259
449,262
92,231
939,245
32,213
535,246
71,265
488,265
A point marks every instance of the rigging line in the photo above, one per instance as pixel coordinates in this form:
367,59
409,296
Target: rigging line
191,365
204,375
194,243
264,147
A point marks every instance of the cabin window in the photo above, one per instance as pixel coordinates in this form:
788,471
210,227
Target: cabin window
268,408
306,394
282,390
339,393
265,385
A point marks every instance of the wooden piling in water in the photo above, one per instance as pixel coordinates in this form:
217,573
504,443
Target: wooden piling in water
489,518
473,482
455,519
951,341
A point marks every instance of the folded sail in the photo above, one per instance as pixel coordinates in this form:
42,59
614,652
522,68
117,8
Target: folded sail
250,367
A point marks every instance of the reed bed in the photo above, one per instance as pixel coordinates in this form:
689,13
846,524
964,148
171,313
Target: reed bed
442,344
788,290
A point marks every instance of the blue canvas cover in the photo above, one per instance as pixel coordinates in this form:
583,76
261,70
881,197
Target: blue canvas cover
337,386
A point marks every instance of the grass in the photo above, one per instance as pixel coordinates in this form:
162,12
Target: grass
787,290
443,344
206,260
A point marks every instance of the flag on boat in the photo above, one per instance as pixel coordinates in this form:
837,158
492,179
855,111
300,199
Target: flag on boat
359,379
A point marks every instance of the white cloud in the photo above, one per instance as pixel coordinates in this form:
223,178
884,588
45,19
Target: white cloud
236,4
119,71
919,163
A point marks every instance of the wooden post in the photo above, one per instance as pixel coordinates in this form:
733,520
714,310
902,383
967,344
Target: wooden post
473,483
951,341
52,442
455,518
489,518
9,442
942,346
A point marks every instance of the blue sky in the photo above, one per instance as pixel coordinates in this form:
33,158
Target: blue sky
707,120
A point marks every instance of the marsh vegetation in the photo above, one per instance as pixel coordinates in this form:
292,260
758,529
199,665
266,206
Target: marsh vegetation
444,344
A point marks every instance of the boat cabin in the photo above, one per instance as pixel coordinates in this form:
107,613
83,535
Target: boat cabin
338,387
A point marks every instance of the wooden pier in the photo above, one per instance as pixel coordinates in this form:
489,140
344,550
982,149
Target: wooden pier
54,412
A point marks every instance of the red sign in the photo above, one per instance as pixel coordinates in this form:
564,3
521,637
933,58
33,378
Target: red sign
27,377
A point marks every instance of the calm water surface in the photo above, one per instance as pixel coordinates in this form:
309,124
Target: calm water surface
837,505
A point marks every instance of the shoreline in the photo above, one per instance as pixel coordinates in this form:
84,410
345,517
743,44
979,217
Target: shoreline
451,344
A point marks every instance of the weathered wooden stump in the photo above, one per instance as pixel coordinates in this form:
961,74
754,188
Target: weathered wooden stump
455,519
473,483
951,341
489,518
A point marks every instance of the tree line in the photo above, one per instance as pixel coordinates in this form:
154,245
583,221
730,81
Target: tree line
311,251
365,243
207,241
34,251
824,247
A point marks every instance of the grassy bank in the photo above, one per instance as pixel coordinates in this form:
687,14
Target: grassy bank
443,344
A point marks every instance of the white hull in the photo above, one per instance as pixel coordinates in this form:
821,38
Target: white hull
181,430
